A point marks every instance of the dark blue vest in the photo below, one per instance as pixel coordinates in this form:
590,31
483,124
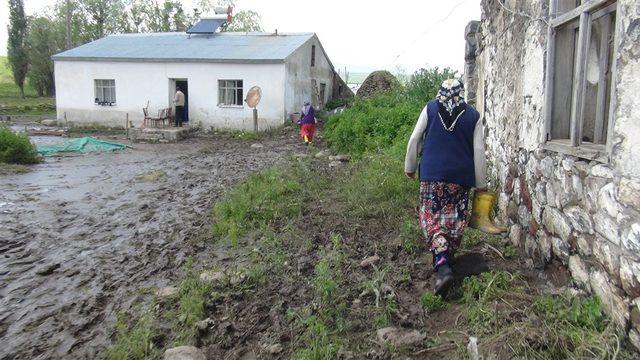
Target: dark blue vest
448,155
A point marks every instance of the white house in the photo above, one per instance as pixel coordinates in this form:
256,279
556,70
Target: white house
110,79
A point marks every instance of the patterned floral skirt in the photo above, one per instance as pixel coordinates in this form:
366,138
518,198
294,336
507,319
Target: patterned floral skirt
444,209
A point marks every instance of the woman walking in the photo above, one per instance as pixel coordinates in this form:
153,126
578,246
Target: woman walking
307,122
449,139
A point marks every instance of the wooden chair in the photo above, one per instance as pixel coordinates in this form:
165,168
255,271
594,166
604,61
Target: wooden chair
170,117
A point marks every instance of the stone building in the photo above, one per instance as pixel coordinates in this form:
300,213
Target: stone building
558,84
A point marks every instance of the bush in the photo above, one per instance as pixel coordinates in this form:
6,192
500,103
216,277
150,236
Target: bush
384,120
16,148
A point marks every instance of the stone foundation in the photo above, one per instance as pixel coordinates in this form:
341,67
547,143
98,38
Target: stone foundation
154,135
580,212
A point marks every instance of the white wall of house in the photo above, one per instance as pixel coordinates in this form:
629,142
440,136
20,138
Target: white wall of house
300,76
140,82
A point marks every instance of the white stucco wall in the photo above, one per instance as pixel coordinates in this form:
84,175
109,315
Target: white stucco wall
300,74
138,82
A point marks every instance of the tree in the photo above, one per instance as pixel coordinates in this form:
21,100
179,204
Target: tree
244,21
104,15
45,38
16,52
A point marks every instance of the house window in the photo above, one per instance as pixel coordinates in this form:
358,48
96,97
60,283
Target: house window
105,91
580,58
313,55
230,92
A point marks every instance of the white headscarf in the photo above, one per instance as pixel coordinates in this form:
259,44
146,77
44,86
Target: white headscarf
306,107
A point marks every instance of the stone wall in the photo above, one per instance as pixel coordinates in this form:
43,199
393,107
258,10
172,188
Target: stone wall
584,214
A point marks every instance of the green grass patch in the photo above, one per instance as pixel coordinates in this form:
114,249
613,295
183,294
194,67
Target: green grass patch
16,148
10,101
432,303
133,340
13,169
275,195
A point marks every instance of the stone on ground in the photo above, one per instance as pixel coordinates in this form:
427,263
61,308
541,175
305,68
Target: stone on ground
211,276
400,337
184,353
371,260
341,158
167,292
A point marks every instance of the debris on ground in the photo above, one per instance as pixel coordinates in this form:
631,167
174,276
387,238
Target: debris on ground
371,260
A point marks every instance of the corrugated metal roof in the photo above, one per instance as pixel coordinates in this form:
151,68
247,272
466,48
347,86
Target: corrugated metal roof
220,47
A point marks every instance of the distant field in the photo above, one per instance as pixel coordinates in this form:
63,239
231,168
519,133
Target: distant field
10,101
359,77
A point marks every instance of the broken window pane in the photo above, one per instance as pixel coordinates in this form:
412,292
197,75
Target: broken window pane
598,79
566,5
564,65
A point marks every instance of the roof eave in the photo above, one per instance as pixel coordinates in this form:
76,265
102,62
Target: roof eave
204,60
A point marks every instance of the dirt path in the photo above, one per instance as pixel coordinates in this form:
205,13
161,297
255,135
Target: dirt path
80,235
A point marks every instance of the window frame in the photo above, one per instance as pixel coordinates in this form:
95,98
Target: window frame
238,93
313,55
99,86
587,11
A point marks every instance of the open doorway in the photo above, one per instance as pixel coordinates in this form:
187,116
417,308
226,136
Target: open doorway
183,85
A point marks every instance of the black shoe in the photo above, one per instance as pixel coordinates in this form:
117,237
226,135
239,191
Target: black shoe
444,279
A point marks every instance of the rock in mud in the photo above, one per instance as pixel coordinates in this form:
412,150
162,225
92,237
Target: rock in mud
211,276
335,164
48,270
49,122
205,324
167,292
400,337
321,154
341,158
371,260
257,146
274,349
184,353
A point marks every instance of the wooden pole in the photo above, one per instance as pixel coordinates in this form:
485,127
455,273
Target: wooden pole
255,120
68,21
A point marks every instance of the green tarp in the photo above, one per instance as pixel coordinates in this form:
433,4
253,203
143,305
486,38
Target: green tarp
83,145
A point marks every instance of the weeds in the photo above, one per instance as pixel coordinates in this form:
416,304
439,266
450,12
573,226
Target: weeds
133,342
263,199
432,303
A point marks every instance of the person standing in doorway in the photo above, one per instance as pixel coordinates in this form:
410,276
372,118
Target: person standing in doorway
178,101
449,138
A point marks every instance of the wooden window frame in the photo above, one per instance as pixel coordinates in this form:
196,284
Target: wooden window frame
99,86
238,91
588,10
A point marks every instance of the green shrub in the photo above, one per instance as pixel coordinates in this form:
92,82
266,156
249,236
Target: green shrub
384,120
16,148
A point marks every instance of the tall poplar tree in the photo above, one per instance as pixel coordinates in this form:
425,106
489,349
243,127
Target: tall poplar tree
16,47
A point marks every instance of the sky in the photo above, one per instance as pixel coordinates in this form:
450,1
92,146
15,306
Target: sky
361,35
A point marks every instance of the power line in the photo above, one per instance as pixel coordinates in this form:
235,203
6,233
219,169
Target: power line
429,29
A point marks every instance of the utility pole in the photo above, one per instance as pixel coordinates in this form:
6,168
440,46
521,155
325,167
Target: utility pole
69,24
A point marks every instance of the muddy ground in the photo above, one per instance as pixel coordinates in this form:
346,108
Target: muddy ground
81,236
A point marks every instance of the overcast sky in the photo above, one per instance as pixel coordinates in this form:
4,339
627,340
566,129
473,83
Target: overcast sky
360,34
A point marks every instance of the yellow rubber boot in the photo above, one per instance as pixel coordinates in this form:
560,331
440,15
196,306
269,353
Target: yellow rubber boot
481,213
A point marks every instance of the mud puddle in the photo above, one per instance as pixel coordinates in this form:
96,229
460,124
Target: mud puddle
81,236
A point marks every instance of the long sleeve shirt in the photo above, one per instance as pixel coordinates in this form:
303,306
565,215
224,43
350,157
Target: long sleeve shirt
179,98
416,141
